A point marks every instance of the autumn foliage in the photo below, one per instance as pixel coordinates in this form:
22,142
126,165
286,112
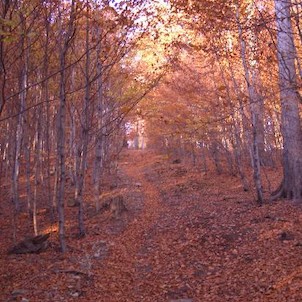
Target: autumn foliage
146,147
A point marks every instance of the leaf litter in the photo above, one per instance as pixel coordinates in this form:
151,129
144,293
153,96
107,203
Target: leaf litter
187,236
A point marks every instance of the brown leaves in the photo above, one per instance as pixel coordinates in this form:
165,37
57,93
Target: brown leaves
197,238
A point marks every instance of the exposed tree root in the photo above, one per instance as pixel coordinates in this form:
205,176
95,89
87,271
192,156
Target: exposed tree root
287,193
279,193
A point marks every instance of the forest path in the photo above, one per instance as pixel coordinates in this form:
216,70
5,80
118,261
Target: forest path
198,238
187,237
128,258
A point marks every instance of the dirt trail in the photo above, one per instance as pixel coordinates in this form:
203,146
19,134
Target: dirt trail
127,261
199,237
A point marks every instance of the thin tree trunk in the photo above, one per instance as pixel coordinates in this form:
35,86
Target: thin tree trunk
84,135
37,169
98,162
297,17
45,94
61,172
61,152
255,118
19,133
3,72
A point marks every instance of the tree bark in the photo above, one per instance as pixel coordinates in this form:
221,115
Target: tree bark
3,73
61,172
83,144
291,186
255,118
99,141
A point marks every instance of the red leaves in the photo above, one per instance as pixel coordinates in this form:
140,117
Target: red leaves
197,238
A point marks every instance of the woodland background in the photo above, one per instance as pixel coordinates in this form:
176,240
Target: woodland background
215,85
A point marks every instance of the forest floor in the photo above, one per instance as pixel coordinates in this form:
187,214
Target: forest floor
187,236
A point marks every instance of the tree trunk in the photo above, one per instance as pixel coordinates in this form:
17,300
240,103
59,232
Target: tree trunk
47,132
83,144
37,167
297,12
19,129
60,186
61,172
255,118
3,77
291,186
98,162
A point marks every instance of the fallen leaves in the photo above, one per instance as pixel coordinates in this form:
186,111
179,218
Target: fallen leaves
186,237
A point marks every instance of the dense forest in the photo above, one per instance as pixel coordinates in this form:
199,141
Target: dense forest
212,86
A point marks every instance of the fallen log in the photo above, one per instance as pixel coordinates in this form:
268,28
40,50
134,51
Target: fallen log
35,244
